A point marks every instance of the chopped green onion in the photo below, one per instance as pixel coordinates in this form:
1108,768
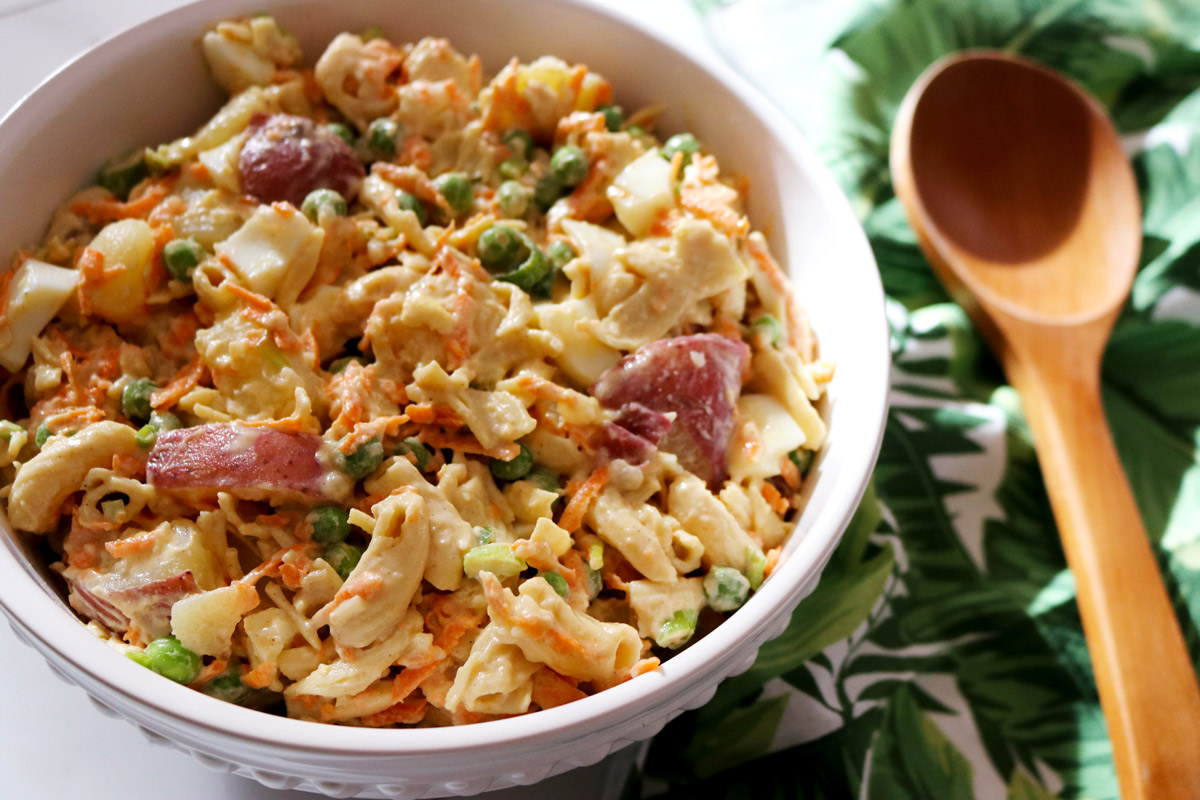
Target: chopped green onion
135,398
596,556
677,630
325,201
456,188
516,468
180,257
342,557
169,658
594,580
725,589
803,459
363,461
501,248
520,142
112,509
120,174
770,327
274,357
557,582
532,275
513,199
146,436
381,137
635,131
330,523
9,429
342,131
419,451
756,565
165,421
371,33
684,143
42,434
569,165
496,558
561,253
484,534
229,687
512,167
613,117
410,202
339,365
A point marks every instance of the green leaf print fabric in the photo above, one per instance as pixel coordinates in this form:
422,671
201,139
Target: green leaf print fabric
942,656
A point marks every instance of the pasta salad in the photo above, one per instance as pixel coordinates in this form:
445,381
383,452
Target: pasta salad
396,396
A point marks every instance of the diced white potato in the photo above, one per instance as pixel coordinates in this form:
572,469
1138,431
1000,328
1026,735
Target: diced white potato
204,623
275,252
128,250
35,294
776,432
584,358
222,164
642,191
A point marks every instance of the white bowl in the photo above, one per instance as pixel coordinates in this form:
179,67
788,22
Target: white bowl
150,84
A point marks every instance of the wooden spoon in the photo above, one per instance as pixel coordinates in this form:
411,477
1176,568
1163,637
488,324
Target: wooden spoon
1016,185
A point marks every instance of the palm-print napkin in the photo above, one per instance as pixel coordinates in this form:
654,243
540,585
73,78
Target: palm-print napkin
942,655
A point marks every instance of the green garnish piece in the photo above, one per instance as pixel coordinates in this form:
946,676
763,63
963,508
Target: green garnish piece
274,357
561,253
330,523
8,429
756,565
594,581
180,257
363,461
409,202
520,142
513,199
381,137
544,479
325,201
557,582
684,143
165,421
546,191
372,32
770,327
342,557
613,117
496,558
342,131
43,433
419,451
725,589
169,658
338,365
483,534
677,630
500,248
120,174
569,165
803,459
596,556
512,167
146,436
456,188
135,398
535,275
515,469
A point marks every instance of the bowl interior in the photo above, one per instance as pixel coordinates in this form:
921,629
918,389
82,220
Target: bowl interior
150,85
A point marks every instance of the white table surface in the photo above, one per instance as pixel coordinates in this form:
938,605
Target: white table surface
53,743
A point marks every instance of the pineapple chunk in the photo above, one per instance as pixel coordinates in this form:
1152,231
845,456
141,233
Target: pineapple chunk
642,191
275,252
35,294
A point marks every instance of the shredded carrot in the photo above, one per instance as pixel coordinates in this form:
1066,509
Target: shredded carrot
5,280
778,503
645,665
412,180
790,473
410,678
774,555
149,193
364,432
184,381
416,151
253,299
768,265
261,676
366,586
582,496
404,713
127,466
270,567
123,548
212,670
550,689
433,414
467,443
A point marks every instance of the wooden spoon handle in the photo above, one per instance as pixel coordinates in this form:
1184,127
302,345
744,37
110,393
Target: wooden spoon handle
1146,680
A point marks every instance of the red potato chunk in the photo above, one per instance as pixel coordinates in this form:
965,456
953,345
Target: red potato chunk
634,435
147,605
248,462
696,377
285,157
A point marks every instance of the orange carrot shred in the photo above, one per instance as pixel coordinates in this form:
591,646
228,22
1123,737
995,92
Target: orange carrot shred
582,497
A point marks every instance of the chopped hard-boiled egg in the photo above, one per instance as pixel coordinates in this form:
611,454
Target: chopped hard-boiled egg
776,431
275,252
35,294
642,191
584,358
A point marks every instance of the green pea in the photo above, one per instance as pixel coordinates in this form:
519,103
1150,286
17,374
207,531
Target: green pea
803,459
456,188
512,167
500,248
363,461
561,253
169,658
180,257
342,557
120,174
769,327
420,452
9,429
42,435
516,468
544,479
546,191
513,199
135,398
496,558
165,421
339,365
569,165
756,565
677,630
342,131
535,275
684,143
381,137
520,142
146,436
325,201
613,117
484,534
557,582
329,523
725,589
409,202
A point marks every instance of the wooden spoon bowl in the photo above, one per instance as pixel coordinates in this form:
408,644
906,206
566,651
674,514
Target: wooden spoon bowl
1025,204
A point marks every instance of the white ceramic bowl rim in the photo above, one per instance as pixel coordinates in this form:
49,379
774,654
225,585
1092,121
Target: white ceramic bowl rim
20,587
